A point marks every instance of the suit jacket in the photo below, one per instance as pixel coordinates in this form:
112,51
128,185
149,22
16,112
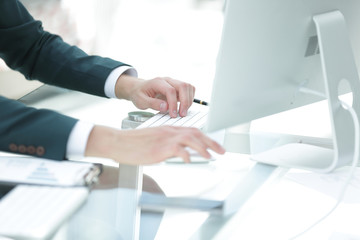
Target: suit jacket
37,54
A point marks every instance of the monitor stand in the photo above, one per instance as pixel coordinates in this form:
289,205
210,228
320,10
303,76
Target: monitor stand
338,65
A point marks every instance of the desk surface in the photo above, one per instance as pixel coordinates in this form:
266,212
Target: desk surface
285,206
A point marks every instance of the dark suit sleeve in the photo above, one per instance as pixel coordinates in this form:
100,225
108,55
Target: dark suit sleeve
25,130
27,48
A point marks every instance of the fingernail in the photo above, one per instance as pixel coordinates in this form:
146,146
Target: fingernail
162,107
184,113
174,113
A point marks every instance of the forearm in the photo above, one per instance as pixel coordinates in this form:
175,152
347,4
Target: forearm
102,142
126,85
27,48
26,130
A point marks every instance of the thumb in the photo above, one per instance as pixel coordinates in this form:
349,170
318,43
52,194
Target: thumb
158,104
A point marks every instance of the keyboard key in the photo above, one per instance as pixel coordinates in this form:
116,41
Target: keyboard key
35,212
194,118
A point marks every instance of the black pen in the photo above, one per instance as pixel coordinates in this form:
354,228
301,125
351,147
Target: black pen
200,102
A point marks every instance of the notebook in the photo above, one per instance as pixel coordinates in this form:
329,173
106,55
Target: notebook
30,170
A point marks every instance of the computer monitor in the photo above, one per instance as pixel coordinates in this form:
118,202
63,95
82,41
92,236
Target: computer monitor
274,54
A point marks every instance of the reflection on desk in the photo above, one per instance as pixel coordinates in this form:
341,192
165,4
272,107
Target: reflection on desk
111,211
225,197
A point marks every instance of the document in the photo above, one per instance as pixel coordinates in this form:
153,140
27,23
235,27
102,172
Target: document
29,170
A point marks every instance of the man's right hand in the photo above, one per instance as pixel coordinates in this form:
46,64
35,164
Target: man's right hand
149,145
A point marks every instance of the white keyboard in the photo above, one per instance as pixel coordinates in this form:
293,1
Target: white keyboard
195,118
36,212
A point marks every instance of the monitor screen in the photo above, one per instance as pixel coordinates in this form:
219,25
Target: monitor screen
270,52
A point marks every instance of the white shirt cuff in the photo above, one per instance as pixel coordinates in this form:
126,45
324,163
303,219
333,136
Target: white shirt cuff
110,82
78,138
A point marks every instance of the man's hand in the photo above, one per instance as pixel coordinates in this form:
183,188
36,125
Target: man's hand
149,145
160,94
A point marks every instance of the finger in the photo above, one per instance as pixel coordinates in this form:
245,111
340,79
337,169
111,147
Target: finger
184,155
206,142
201,149
157,104
185,99
171,98
178,150
164,88
191,95
195,140
215,146
185,92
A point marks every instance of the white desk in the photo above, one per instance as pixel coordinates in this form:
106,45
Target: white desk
283,207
